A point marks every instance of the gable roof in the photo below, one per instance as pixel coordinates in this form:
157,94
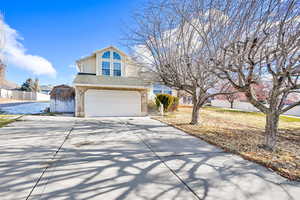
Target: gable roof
62,92
112,47
103,49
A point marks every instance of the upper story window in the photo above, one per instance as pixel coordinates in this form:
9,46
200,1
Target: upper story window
117,69
106,55
105,68
116,56
111,64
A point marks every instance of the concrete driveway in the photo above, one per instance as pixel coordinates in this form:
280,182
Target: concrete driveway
125,158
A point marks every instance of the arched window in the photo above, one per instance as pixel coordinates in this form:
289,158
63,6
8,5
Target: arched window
116,56
106,55
111,65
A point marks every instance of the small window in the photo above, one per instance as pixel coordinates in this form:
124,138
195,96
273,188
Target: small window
106,68
116,56
117,69
106,54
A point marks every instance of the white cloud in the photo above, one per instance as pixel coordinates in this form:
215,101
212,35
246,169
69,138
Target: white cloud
15,53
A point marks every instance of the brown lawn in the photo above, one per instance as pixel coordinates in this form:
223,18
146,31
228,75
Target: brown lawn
242,133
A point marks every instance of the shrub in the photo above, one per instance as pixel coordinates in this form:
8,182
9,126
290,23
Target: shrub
165,99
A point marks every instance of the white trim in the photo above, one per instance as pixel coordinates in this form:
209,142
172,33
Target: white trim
98,61
111,86
109,48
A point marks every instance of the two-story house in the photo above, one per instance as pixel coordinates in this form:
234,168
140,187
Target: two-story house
108,85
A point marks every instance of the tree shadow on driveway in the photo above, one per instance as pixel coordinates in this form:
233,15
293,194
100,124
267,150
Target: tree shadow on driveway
119,159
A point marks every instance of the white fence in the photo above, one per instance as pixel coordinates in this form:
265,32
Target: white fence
21,95
245,106
41,97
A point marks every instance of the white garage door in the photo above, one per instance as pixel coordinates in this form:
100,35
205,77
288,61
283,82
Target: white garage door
112,103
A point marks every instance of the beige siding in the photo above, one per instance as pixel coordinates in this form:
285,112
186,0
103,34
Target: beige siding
88,65
131,70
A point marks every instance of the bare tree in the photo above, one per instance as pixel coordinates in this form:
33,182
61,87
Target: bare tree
250,43
230,97
168,46
264,46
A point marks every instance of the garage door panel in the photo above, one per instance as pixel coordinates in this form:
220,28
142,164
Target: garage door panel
112,103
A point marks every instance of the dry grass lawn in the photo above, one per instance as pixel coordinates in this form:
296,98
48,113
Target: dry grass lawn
242,133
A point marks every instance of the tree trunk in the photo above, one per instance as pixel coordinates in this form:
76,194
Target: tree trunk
271,130
231,104
195,115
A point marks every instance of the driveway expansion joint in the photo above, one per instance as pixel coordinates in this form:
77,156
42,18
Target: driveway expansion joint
171,170
51,163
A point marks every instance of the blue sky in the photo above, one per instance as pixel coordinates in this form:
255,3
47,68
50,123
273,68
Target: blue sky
62,31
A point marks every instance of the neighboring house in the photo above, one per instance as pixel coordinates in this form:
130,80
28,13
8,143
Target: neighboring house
186,100
108,84
62,99
239,100
10,90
